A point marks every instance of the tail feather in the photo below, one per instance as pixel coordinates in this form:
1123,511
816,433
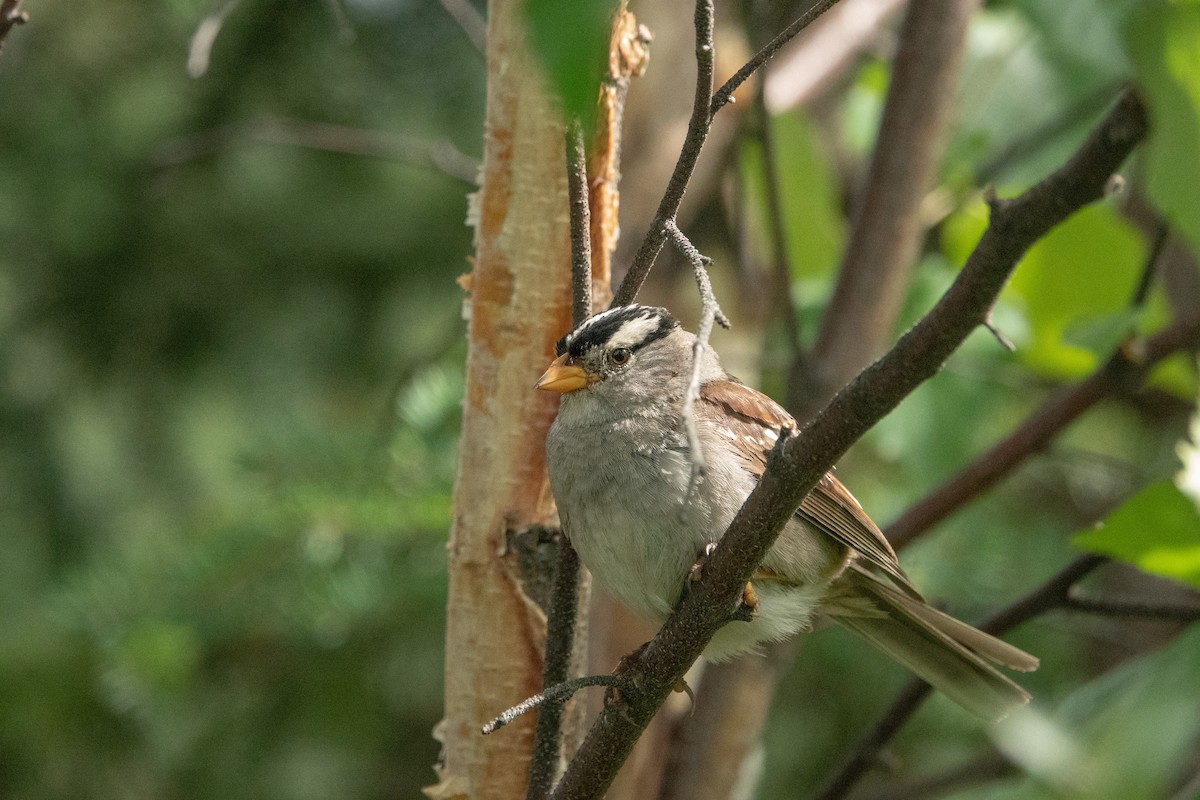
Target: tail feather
948,654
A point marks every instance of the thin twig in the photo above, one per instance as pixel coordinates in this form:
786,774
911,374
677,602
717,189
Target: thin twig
1015,225
555,694
629,53
1052,594
204,37
564,601
581,225
984,769
441,155
689,153
866,752
1030,143
1123,607
777,225
725,94
806,68
705,105
560,640
710,312
1121,375
1150,268
998,335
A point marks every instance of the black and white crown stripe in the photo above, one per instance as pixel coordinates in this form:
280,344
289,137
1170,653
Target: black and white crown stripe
631,327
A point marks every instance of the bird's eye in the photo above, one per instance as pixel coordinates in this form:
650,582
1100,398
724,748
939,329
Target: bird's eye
620,357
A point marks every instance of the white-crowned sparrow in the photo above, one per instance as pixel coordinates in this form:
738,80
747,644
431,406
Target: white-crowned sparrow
619,468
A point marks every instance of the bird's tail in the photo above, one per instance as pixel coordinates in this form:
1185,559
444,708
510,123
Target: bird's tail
954,657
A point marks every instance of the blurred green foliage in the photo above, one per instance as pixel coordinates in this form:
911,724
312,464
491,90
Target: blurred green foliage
229,398
571,40
230,368
1164,41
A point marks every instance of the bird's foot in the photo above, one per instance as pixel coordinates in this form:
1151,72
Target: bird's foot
697,570
747,608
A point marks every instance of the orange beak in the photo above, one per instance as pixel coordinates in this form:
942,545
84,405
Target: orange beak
563,377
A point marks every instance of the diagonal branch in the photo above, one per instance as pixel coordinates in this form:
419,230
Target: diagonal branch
1052,594
800,461
1122,374
724,95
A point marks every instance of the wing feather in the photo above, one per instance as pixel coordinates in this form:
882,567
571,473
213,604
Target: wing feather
753,421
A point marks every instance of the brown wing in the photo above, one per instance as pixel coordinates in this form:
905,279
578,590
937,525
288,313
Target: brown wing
752,421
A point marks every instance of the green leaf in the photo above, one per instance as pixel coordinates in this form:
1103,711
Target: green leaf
571,39
1128,733
1082,273
1103,333
1164,43
1157,531
809,201
962,230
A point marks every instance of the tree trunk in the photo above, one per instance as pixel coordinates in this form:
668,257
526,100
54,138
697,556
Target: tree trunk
519,304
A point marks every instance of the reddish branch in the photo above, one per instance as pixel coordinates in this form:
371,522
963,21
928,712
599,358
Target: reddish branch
1122,374
800,461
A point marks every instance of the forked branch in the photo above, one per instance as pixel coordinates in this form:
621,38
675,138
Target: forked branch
705,105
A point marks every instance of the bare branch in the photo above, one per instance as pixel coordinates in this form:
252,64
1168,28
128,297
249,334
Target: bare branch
563,608
781,261
705,105
725,94
555,694
628,55
693,142
866,752
1121,375
1030,143
437,154
984,769
998,335
1050,595
560,640
1126,607
876,267
204,37
1142,290
809,64
710,312
581,225
1015,225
